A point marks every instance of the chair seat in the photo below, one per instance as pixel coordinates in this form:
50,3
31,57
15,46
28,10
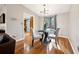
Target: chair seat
37,37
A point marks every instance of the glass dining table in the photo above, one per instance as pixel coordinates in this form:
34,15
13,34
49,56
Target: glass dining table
48,34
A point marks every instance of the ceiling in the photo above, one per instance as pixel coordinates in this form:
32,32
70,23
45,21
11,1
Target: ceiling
52,9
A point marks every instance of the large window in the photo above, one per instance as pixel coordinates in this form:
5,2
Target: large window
50,22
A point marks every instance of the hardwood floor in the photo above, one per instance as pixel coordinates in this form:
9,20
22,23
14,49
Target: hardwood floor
65,47
19,49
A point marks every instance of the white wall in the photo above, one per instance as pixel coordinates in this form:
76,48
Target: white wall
74,26
3,9
63,23
14,20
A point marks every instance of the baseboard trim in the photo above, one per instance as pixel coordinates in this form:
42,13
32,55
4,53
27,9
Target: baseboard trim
70,42
19,39
71,46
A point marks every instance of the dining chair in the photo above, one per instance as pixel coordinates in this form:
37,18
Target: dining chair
35,36
54,36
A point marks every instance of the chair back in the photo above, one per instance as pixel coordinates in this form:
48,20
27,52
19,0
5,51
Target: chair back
56,33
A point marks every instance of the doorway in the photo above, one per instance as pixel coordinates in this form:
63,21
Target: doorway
28,24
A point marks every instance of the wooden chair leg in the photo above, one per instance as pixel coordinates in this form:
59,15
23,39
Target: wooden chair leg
32,42
40,41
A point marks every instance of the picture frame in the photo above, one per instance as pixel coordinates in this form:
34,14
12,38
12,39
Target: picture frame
2,18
